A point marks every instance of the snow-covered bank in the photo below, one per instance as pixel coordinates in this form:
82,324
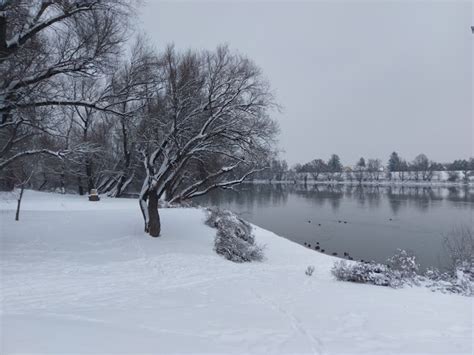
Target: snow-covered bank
82,277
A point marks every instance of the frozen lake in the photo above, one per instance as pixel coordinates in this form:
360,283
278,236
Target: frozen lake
368,222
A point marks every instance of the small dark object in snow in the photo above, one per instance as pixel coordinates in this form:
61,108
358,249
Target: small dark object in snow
94,196
309,245
322,250
309,270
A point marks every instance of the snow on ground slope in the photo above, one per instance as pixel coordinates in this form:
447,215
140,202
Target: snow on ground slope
82,277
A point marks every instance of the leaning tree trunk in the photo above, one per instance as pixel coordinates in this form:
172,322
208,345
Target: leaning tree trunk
149,207
154,225
17,215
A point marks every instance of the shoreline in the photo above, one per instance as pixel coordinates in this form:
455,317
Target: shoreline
366,183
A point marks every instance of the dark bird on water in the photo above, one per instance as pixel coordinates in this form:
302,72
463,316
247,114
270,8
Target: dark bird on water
335,254
317,247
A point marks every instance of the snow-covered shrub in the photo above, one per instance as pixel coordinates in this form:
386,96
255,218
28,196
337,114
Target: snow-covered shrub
459,277
404,270
435,274
309,270
234,239
405,263
464,283
459,245
371,273
460,282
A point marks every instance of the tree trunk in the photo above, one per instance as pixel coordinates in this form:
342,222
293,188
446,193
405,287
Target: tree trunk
90,180
17,215
45,181
79,185
3,35
154,225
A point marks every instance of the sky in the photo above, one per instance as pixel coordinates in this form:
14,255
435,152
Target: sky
356,78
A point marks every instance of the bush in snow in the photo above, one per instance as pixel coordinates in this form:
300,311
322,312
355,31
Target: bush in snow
460,282
371,273
234,239
459,245
404,270
405,264
459,277
464,283
309,270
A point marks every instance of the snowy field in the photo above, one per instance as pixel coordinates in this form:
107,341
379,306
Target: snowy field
82,277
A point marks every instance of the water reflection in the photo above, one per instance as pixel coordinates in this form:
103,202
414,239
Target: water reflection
418,197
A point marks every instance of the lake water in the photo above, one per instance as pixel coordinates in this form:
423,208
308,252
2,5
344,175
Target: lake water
368,222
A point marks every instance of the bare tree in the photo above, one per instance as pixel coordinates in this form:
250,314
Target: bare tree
21,175
316,167
423,168
41,43
213,104
374,167
130,89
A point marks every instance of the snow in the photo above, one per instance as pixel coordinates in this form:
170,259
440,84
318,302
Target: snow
82,277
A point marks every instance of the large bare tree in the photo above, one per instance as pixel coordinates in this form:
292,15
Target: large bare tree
41,43
209,128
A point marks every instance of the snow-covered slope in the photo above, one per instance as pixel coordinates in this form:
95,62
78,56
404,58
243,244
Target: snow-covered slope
82,277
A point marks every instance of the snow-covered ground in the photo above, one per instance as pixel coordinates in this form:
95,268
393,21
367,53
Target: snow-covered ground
82,277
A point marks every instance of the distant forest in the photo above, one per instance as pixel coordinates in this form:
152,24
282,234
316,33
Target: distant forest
421,169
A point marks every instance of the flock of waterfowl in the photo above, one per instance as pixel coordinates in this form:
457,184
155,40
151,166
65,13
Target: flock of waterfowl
318,247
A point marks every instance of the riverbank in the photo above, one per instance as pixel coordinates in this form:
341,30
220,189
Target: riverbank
381,183
79,276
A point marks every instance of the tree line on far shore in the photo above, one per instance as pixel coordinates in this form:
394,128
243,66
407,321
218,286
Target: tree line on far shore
420,169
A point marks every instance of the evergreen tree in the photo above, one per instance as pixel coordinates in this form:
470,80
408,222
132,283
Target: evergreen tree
394,162
334,164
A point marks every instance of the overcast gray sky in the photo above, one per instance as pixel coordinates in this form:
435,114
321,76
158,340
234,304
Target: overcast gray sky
356,78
